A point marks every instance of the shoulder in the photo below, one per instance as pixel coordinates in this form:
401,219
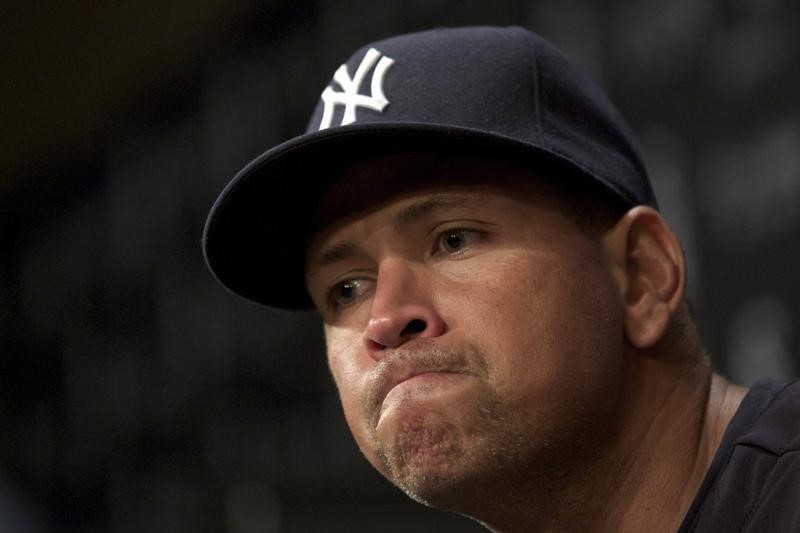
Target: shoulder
772,410
754,481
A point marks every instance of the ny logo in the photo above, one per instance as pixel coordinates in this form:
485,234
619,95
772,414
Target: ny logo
349,96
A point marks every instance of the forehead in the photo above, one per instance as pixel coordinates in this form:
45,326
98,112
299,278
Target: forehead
369,186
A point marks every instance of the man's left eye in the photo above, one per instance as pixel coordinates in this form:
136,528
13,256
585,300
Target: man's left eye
456,241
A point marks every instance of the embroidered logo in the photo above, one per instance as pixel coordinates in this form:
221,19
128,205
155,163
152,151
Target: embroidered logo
349,96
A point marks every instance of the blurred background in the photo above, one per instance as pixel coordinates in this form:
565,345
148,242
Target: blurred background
137,395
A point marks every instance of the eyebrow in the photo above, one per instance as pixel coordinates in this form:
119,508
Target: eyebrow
333,255
418,210
404,218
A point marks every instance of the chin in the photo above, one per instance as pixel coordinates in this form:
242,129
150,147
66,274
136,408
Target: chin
433,461
460,491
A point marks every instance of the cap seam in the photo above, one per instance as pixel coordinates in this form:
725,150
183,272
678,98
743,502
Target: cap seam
534,67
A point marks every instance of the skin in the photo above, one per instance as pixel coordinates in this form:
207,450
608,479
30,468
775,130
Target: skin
496,358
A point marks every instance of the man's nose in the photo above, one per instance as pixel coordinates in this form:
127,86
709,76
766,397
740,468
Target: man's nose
402,308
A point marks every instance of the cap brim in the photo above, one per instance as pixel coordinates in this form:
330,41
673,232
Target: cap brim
256,233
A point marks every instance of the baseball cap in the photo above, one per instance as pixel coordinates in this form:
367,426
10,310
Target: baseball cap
504,92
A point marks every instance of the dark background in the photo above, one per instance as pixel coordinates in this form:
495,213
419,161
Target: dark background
137,395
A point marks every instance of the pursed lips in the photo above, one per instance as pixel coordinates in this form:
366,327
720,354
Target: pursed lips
397,375
425,356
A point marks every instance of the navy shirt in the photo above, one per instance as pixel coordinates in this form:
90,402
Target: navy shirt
753,483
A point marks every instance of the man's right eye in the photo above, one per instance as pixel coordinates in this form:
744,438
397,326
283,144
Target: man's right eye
347,292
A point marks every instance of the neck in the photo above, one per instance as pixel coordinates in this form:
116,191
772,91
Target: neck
649,475
668,462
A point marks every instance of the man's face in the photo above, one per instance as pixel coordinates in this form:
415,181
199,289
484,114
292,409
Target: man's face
474,330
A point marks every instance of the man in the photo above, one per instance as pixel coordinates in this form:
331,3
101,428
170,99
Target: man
503,303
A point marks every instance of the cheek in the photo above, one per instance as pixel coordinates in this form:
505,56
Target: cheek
350,367
343,361
550,324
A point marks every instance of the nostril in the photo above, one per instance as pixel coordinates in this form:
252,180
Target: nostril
415,326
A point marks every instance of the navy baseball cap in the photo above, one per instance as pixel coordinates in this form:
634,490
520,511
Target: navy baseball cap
504,92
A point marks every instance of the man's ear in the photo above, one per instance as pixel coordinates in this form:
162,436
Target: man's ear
652,266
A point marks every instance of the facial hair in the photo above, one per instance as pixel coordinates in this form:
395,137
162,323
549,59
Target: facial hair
432,456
